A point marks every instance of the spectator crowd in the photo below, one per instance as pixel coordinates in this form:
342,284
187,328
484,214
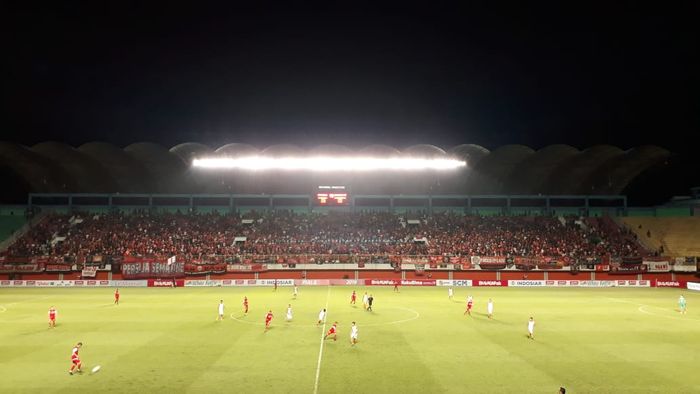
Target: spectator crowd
282,232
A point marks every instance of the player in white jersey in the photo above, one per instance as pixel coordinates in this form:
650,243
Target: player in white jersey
531,328
296,291
365,300
450,293
221,310
289,312
353,334
321,317
489,308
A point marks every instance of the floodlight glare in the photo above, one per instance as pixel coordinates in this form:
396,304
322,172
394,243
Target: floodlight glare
326,164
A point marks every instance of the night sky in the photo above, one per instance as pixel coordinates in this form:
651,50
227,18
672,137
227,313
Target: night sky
492,74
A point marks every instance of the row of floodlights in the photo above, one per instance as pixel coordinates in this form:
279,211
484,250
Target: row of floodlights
327,163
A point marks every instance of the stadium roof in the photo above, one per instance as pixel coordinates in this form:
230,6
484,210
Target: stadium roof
145,167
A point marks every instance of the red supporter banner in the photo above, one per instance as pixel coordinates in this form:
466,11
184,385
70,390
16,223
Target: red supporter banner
415,260
202,269
528,261
20,268
489,262
58,267
149,268
489,283
89,272
165,282
602,267
15,260
658,266
246,268
629,269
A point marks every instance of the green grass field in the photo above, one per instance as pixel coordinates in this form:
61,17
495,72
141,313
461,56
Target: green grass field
415,341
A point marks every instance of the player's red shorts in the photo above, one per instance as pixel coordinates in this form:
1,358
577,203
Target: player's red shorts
76,361
52,318
267,322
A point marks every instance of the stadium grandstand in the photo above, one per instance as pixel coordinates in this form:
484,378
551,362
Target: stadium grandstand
512,209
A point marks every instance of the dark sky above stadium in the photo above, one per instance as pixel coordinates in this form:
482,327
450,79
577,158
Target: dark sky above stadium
623,73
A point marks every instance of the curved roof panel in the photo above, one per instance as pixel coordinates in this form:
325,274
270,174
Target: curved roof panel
88,174
379,150
470,153
424,150
42,174
529,176
491,172
166,168
130,175
331,150
190,150
282,150
567,178
237,150
615,174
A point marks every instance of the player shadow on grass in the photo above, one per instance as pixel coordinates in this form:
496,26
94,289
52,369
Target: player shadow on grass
486,317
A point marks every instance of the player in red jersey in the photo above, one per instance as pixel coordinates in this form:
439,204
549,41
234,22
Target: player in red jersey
116,296
245,305
333,331
75,359
52,317
353,297
268,320
470,303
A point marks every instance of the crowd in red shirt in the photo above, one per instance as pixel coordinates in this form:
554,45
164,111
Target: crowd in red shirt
281,232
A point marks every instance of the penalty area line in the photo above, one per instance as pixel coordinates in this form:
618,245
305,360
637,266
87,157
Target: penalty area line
320,350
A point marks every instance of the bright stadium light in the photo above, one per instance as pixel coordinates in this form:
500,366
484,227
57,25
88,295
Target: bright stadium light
326,164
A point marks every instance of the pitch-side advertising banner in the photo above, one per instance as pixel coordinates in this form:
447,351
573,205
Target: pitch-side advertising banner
403,282
670,283
165,283
73,283
579,283
694,286
489,283
454,282
526,283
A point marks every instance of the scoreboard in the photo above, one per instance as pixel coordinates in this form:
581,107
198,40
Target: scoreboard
331,196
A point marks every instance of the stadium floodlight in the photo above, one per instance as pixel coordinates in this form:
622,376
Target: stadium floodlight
327,164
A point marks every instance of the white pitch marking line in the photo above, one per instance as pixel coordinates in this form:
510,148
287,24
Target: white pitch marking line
417,315
641,309
320,350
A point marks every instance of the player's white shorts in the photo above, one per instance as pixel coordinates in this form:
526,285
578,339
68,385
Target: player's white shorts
289,316
490,310
353,336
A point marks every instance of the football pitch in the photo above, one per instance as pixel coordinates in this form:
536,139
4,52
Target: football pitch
415,341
